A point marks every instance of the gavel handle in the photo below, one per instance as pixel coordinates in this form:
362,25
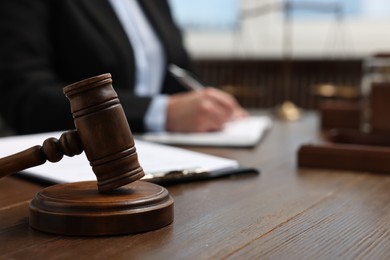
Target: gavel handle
22,160
52,150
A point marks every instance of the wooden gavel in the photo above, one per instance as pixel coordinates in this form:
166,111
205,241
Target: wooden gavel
102,131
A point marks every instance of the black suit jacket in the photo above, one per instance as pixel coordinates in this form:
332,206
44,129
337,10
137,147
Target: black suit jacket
47,44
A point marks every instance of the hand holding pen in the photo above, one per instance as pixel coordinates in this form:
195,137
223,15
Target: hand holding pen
185,78
202,109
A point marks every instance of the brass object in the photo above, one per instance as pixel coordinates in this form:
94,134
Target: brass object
336,91
288,111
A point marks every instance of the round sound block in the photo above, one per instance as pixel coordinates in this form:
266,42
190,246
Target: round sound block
79,209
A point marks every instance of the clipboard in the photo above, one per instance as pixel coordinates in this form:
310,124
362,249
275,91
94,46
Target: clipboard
174,177
162,164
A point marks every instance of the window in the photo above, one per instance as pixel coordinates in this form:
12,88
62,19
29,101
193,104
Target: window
355,9
225,14
206,14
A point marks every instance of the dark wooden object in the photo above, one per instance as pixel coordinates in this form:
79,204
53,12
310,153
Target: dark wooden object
380,108
340,114
81,210
345,157
102,131
352,149
353,136
348,149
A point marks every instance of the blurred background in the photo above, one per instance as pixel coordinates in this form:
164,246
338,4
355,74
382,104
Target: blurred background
268,51
305,52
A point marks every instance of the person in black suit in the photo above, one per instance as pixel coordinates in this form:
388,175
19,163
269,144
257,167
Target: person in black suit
47,45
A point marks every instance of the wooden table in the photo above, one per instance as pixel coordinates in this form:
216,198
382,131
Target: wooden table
284,213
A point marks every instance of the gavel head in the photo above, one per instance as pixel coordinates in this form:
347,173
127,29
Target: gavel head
104,132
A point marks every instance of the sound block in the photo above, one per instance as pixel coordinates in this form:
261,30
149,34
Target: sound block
79,209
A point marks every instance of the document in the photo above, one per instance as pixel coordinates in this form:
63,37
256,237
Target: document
246,132
161,163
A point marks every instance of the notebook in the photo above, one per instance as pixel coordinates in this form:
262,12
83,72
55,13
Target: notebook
246,132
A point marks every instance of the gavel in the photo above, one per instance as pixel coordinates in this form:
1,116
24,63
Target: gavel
102,132
122,204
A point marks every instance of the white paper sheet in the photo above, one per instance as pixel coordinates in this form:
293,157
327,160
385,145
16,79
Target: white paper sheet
154,158
240,133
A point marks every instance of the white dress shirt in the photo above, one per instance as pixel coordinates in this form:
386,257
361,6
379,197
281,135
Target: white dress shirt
149,60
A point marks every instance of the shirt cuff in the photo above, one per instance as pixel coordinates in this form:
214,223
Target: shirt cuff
156,114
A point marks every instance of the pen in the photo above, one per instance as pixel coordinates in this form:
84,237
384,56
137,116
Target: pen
185,78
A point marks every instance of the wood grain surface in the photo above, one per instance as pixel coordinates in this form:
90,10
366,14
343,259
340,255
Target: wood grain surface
284,213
